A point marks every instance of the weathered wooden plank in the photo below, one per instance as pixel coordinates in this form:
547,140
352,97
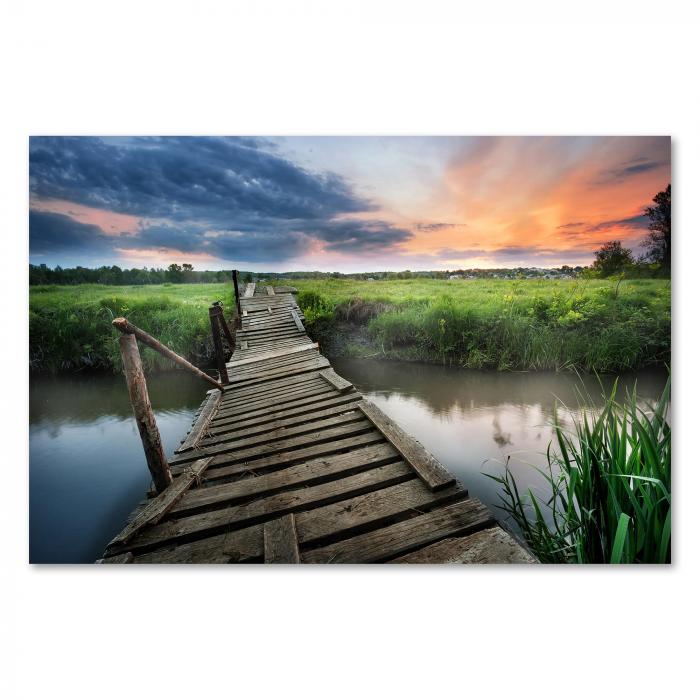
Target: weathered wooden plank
262,407
284,366
236,432
298,368
282,329
161,504
270,291
292,410
283,289
491,546
238,547
241,409
201,424
284,459
306,474
272,441
241,400
277,302
426,466
245,312
277,365
297,321
391,541
271,387
270,322
244,344
125,558
285,446
212,522
241,404
371,510
336,381
249,289
281,335
282,354
280,536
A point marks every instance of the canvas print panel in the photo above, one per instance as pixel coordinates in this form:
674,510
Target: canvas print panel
342,349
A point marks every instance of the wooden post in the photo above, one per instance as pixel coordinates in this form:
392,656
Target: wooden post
234,276
143,413
224,327
218,345
125,327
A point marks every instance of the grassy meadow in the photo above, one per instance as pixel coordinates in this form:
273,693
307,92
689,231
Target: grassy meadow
588,325
482,324
70,326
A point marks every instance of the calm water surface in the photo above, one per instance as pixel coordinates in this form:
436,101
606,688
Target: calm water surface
87,470
86,465
474,421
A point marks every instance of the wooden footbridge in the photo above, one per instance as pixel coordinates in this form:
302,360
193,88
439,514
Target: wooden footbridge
286,462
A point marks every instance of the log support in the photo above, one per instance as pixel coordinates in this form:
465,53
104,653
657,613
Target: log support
214,311
230,338
143,412
237,294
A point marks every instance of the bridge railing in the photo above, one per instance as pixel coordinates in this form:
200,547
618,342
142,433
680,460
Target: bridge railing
138,389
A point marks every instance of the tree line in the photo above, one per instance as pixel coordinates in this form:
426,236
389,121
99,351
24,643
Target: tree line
42,274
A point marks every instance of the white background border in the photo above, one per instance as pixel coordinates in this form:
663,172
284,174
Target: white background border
347,68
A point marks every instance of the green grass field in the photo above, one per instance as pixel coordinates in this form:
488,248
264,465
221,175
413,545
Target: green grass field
501,324
70,326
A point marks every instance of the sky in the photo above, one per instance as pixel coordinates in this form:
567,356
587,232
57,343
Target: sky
339,203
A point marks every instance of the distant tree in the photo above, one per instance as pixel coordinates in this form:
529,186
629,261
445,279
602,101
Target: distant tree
174,273
658,241
612,258
187,272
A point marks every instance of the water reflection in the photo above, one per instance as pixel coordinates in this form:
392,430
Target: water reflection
87,469
86,465
474,422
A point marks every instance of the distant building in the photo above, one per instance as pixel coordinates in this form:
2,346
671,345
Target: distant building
369,279
455,277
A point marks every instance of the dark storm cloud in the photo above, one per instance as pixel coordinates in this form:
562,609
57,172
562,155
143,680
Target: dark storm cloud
227,245
627,170
221,181
199,194
358,236
56,233
639,221
583,228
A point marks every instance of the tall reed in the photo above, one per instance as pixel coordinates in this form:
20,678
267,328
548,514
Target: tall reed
609,488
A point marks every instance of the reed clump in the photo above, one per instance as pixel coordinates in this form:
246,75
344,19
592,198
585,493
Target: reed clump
609,484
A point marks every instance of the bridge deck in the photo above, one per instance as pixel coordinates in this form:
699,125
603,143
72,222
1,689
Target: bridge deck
291,465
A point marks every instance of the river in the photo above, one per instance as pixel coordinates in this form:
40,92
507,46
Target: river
87,470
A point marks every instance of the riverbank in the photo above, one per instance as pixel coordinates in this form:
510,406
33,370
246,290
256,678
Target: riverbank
585,325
